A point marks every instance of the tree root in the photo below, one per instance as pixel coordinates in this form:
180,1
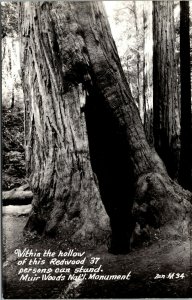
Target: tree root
161,205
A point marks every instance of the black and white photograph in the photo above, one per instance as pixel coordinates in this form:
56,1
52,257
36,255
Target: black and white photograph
96,122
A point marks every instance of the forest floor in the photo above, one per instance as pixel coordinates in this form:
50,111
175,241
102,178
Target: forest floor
161,257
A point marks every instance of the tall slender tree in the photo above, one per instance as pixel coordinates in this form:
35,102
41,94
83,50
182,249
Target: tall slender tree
148,71
137,56
185,171
166,123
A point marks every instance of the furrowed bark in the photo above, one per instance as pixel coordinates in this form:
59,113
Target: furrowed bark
166,122
65,191
152,182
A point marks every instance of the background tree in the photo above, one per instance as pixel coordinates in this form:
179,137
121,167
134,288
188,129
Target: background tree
148,71
11,81
165,94
68,53
12,100
128,15
9,19
185,171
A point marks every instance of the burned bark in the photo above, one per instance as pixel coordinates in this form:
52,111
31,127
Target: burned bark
69,53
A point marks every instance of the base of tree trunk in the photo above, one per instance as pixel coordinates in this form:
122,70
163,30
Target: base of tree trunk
161,205
161,208
81,218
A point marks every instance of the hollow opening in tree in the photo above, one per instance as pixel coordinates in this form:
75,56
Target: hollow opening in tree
110,162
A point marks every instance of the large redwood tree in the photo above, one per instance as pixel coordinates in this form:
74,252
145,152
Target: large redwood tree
85,144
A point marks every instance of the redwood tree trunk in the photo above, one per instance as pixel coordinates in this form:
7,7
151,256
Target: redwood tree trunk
65,190
138,58
165,98
185,172
69,52
148,71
